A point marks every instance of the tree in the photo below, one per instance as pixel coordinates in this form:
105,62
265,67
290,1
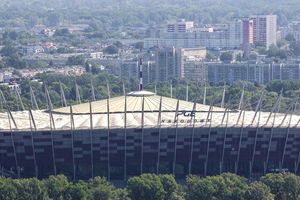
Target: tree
224,187
7,189
226,57
56,186
290,37
87,67
199,189
76,191
283,185
75,60
62,32
146,187
258,191
169,184
139,45
295,48
275,52
8,50
15,62
239,57
31,188
101,189
121,194
209,56
118,44
112,49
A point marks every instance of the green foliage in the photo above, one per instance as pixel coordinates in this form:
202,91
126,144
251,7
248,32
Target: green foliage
76,191
225,187
7,189
56,186
121,194
139,45
169,184
290,37
226,56
283,185
75,60
31,188
146,187
258,191
275,52
295,48
62,32
112,49
11,57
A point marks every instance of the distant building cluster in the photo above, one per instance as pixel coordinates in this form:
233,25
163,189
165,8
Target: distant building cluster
174,63
239,33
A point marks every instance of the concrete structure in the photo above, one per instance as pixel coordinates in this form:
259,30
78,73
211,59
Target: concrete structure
231,37
168,64
260,73
195,71
145,133
248,33
182,26
170,61
265,29
129,70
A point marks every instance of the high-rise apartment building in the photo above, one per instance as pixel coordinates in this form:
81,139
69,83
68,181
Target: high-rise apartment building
265,29
170,62
248,34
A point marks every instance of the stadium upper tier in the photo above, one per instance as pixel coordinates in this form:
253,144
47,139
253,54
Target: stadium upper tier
141,109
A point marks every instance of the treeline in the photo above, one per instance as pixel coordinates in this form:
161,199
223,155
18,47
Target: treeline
227,186
138,12
252,91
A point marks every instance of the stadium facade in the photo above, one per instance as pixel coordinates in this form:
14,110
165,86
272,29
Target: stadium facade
145,133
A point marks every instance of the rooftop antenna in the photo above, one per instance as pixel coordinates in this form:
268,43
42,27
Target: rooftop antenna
223,97
141,87
187,92
19,97
204,95
62,96
33,99
77,94
93,91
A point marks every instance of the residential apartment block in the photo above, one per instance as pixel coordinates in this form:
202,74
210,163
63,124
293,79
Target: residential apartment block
260,73
265,29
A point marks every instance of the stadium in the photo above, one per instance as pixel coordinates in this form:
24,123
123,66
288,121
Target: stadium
142,132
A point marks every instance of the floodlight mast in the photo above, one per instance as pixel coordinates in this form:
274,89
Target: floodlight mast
141,86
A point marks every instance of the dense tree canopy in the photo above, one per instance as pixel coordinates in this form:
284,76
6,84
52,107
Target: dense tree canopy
282,186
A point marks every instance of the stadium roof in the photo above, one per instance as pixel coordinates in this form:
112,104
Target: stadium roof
142,110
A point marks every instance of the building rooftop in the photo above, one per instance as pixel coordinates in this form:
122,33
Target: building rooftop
142,109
